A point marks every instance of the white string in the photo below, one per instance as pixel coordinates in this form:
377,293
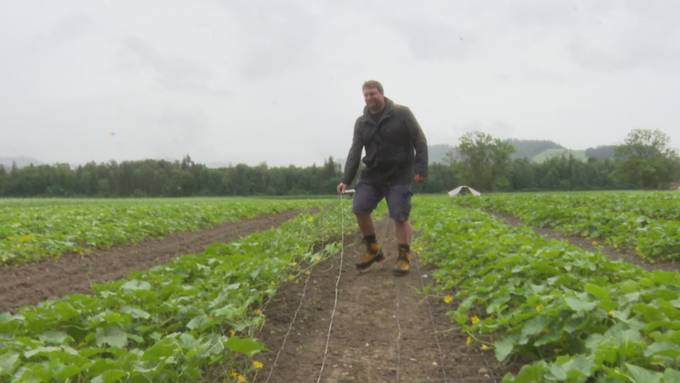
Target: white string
290,327
397,310
297,310
434,328
337,284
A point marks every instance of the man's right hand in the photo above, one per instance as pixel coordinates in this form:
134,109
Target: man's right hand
341,187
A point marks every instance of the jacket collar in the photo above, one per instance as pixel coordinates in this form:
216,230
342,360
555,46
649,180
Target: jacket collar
389,107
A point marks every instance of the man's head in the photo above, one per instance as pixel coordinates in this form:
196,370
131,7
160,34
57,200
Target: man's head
374,94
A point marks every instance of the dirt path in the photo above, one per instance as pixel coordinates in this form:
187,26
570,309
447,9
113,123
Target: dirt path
56,277
383,329
585,243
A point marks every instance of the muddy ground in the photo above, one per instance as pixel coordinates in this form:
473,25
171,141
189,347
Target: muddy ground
73,273
384,329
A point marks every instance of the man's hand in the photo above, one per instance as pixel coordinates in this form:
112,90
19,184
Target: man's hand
341,187
419,178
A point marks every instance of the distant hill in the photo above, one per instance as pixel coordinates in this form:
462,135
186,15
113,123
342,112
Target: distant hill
534,150
602,152
438,153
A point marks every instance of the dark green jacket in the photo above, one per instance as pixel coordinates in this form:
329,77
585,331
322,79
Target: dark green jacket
390,146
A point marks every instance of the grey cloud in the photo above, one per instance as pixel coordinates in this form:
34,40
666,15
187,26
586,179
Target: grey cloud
278,35
251,81
432,41
171,72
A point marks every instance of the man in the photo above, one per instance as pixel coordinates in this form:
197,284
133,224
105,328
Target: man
389,133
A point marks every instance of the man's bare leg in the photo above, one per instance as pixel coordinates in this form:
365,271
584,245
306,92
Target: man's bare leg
365,223
403,232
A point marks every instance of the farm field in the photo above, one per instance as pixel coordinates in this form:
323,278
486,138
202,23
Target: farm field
553,310
485,302
35,229
171,322
647,223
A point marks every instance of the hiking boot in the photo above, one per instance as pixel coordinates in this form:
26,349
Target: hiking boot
373,254
403,265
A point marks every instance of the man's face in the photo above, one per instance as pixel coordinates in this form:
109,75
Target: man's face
374,99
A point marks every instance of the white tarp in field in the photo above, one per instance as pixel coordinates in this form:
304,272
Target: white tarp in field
463,189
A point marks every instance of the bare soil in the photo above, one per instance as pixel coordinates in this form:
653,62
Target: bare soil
587,244
385,329
74,273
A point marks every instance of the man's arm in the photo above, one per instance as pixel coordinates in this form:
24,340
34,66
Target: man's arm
353,157
419,143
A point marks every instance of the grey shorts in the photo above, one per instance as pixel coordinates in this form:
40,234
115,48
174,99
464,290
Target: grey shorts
367,197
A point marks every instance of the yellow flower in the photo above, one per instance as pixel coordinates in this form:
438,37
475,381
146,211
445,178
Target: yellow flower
485,347
448,298
232,332
238,377
594,243
257,364
468,341
610,313
475,319
539,308
258,312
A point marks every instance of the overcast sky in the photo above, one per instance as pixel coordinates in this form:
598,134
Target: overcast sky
251,81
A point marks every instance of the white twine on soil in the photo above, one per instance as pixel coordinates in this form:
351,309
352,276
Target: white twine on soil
297,310
290,328
436,338
396,314
337,284
434,328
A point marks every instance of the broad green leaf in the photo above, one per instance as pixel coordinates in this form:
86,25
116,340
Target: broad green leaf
67,372
40,350
579,305
643,375
135,285
671,376
198,322
504,347
247,346
534,326
668,349
162,349
112,336
533,373
110,376
8,361
136,312
54,337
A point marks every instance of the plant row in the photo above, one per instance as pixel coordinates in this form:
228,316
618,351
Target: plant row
170,323
562,313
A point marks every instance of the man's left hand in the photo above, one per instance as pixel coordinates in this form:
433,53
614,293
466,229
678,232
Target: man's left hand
419,178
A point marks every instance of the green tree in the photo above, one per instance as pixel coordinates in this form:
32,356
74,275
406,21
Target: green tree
485,160
3,179
646,160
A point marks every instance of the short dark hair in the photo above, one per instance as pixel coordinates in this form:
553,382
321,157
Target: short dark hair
373,84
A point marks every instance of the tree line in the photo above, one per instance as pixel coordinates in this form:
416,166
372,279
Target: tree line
644,161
